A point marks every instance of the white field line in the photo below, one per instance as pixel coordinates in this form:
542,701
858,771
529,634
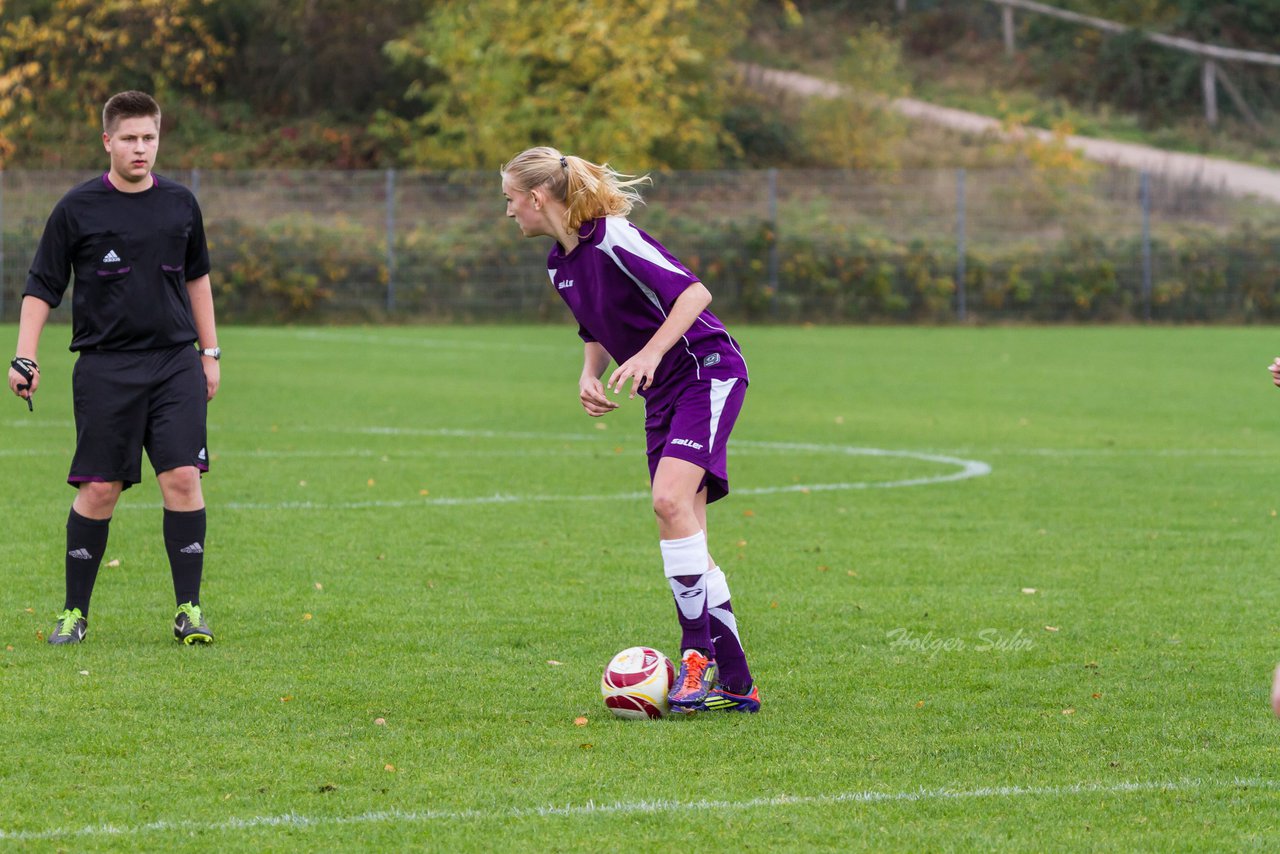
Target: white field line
967,469
601,435
590,808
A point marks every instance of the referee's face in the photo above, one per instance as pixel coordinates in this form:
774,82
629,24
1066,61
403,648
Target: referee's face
133,150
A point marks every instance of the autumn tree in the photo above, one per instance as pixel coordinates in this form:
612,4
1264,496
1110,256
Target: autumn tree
61,60
858,129
637,84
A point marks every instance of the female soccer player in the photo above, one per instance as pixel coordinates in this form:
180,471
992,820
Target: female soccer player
636,304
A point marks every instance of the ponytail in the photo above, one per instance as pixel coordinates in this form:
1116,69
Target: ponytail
588,190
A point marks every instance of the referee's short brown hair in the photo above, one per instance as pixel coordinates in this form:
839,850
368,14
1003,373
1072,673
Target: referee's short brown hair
128,105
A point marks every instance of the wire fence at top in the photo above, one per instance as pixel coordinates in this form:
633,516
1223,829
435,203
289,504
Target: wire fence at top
826,246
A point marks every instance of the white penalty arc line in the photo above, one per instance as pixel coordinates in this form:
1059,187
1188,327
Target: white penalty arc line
966,469
293,820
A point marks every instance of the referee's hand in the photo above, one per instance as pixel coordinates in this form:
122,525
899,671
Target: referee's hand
16,379
212,376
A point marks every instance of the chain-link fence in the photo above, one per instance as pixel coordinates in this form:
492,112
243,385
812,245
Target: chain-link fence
921,246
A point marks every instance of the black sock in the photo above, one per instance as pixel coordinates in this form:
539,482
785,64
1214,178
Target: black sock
184,541
86,543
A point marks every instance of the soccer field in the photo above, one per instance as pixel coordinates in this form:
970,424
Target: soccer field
1008,588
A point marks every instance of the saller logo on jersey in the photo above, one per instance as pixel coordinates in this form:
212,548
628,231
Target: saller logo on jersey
688,443
710,361
567,283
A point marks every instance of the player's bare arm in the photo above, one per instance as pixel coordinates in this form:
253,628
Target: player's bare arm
641,367
34,315
201,293
595,359
1274,368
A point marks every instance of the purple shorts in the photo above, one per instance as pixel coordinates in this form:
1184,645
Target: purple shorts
694,426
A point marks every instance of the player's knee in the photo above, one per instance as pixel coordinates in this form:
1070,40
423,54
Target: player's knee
180,484
98,498
669,507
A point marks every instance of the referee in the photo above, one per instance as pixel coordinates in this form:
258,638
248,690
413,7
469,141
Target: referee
135,244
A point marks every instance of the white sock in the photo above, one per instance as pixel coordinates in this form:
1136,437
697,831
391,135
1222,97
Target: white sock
686,558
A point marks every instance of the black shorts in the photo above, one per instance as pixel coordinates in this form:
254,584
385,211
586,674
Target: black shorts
129,400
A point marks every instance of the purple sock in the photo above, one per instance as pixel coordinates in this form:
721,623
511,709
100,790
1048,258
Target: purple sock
690,593
731,661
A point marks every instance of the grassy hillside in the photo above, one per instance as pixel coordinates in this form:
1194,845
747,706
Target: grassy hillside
953,55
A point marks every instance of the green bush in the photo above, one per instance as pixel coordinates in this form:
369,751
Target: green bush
304,268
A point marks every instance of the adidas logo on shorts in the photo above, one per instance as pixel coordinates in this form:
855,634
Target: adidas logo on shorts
80,554
111,257
193,549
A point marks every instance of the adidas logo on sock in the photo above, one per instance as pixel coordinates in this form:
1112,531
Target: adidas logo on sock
193,549
80,554
111,257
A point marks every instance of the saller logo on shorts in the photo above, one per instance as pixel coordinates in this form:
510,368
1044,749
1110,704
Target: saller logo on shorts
688,443
711,361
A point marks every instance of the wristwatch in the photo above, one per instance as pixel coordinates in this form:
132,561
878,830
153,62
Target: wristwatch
215,352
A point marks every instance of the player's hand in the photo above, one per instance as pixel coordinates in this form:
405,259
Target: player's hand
640,369
16,379
1274,368
591,394
212,376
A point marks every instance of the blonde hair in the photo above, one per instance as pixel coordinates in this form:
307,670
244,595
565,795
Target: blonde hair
588,190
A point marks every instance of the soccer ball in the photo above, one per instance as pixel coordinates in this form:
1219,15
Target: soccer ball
635,683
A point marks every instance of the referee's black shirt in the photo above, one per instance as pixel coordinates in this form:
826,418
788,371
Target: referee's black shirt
132,255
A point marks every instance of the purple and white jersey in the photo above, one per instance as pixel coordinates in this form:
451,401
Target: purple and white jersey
620,283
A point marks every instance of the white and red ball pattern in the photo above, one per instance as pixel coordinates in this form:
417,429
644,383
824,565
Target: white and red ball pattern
635,683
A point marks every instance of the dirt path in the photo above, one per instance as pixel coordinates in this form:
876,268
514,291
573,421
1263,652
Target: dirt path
1242,179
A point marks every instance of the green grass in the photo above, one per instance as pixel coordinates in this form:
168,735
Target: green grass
916,697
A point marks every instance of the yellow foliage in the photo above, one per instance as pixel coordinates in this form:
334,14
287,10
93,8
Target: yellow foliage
638,84
81,52
857,130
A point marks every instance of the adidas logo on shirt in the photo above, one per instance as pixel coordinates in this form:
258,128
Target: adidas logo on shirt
193,549
80,554
202,455
111,257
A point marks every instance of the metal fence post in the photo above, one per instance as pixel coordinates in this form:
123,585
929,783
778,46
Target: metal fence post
1209,82
391,240
1006,24
773,244
1145,196
961,296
